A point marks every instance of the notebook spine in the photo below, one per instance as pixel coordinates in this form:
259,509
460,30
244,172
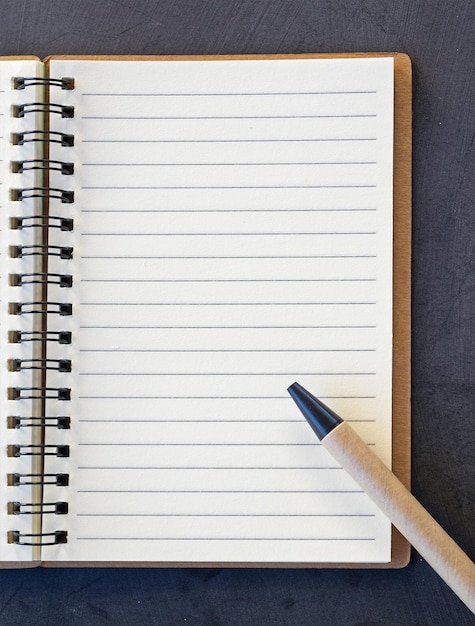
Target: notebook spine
30,341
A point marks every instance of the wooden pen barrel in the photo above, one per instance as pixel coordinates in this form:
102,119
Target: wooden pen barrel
404,511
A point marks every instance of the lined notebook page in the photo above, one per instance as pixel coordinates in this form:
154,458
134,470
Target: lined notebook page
8,293
232,234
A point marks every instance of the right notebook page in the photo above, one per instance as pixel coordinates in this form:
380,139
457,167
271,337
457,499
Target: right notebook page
232,234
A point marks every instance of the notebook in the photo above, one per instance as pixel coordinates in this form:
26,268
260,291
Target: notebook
181,239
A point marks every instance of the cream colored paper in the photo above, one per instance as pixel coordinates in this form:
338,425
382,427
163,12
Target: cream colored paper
232,234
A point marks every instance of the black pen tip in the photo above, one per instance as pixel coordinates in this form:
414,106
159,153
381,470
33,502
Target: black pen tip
322,419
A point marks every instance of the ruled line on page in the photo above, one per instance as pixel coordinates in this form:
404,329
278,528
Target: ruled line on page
237,140
226,304
191,515
253,256
223,117
233,94
182,210
226,351
232,164
225,539
227,281
208,187
104,396
225,234
173,468
255,374
286,491
207,443
234,327
228,421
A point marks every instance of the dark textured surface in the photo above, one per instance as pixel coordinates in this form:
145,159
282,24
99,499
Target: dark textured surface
439,36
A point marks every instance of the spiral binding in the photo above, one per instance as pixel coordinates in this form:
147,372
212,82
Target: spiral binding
42,136
39,393
64,252
59,336
44,221
41,307
58,536
37,508
65,195
17,480
61,365
41,278
61,422
20,82
20,110
41,449
18,167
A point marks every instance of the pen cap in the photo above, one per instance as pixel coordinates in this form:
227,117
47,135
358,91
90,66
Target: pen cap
322,419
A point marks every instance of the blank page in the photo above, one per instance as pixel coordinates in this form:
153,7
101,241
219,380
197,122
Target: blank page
232,234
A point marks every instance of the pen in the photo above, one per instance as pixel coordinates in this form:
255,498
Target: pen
390,495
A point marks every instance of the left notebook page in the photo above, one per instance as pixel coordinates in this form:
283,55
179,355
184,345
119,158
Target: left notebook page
19,240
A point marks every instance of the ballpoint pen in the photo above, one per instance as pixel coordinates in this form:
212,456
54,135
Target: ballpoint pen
390,495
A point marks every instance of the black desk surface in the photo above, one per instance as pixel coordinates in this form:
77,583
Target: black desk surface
439,37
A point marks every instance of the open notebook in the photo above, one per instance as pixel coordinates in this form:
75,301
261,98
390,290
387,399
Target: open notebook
181,239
